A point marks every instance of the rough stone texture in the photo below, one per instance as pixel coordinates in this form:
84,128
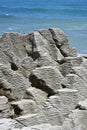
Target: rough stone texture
9,124
24,106
5,109
49,79
43,82
17,83
65,101
51,116
68,63
82,105
41,127
58,36
37,95
47,35
77,120
76,82
68,51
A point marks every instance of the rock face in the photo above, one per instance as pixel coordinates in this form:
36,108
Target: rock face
43,82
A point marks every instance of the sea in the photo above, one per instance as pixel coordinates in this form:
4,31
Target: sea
25,16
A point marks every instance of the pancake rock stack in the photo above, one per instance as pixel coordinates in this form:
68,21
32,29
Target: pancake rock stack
43,82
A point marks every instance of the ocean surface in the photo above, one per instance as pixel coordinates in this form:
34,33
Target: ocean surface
28,15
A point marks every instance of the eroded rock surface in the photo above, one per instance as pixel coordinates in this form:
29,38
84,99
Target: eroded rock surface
43,82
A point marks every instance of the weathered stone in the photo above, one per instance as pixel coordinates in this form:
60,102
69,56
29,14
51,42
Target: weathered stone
82,105
51,43
48,79
76,82
5,88
9,124
37,95
40,127
74,61
27,65
64,102
47,35
5,109
77,120
17,82
43,47
68,63
24,106
84,63
46,60
58,36
52,117
66,68
42,79
81,72
3,58
67,50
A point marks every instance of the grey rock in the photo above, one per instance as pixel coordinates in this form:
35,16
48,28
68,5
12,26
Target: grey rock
5,109
76,82
58,36
68,63
9,124
3,58
47,35
67,50
45,127
39,96
47,78
24,106
82,105
27,65
52,117
43,82
6,124
77,120
17,82
81,72
64,102
42,47
39,127
46,60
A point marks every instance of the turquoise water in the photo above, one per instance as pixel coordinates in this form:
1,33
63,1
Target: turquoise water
27,15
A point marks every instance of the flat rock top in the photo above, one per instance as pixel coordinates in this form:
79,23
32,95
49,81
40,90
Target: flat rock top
66,90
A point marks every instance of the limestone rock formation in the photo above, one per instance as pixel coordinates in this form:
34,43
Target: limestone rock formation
43,82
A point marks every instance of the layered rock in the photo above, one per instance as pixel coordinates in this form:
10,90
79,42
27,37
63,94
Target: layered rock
43,83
